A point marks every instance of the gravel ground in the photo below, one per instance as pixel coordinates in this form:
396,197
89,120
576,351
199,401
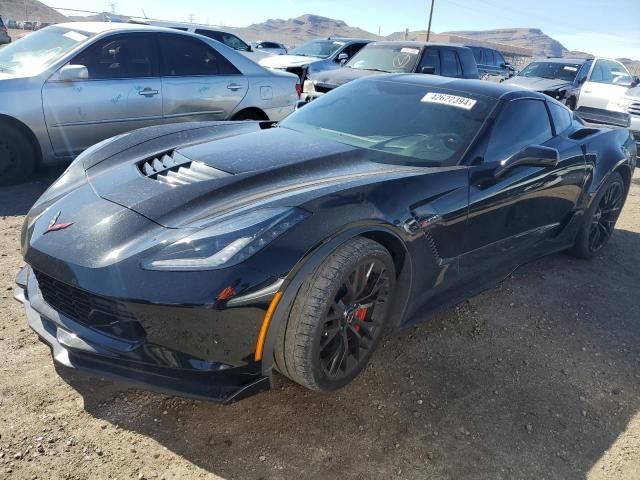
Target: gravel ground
538,378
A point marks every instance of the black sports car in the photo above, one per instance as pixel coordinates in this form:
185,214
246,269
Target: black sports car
196,258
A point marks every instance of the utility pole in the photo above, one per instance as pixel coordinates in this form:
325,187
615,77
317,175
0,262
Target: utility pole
191,17
379,28
113,7
430,17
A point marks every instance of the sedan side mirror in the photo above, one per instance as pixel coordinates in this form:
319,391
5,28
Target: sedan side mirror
70,73
430,70
533,155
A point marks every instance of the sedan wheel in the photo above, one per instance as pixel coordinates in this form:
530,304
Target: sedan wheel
338,317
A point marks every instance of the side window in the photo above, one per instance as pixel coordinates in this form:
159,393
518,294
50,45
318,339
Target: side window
431,58
450,63
234,42
210,34
491,58
119,56
618,72
477,53
561,117
354,48
520,123
601,73
185,56
500,59
483,56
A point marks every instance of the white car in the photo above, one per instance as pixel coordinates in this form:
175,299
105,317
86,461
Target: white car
599,81
273,48
215,33
630,103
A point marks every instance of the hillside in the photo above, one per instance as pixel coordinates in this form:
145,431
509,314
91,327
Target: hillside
29,10
300,29
533,38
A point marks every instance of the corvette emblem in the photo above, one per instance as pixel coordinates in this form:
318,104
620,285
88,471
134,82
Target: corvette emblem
54,226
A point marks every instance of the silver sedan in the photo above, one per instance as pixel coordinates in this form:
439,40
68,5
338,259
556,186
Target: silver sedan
69,86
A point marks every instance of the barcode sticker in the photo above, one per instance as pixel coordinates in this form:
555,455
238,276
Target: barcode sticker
453,100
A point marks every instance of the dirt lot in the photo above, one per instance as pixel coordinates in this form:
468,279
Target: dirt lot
538,378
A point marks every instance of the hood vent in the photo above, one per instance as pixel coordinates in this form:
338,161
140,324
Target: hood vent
175,169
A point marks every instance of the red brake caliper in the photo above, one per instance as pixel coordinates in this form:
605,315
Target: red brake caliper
361,314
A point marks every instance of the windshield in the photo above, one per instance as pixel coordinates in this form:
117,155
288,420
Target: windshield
39,50
317,48
416,124
552,70
386,58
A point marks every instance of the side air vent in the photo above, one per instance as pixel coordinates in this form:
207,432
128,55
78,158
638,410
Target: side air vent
175,169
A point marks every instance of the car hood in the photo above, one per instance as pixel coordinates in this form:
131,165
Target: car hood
228,167
341,76
537,83
286,61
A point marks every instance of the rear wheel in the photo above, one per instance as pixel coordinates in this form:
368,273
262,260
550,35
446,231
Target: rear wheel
601,218
250,114
17,156
338,317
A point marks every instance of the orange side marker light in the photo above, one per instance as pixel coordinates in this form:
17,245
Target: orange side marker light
265,326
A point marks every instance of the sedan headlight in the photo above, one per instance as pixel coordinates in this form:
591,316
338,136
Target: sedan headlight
226,242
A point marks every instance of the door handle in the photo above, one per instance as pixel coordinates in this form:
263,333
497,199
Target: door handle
148,92
234,87
588,91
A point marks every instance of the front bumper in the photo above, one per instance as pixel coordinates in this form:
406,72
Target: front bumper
77,346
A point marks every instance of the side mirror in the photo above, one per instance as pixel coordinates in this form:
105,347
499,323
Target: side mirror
342,58
430,70
70,73
629,82
533,155
635,82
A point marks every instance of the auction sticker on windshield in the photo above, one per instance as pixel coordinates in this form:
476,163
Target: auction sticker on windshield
453,100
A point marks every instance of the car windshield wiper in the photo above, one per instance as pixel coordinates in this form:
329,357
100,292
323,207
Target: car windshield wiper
375,70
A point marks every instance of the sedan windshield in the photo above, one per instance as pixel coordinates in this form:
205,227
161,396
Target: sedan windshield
551,70
317,48
386,58
39,50
411,124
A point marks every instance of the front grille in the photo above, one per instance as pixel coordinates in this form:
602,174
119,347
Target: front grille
101,313
634,108
175,169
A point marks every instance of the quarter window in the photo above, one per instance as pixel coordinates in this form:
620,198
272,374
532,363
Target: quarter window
120,56
185,56
519,124
561,117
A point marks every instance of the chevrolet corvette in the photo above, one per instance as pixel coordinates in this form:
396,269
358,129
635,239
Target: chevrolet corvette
198,258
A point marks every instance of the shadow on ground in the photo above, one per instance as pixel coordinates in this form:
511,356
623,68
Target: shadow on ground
17,199
534,379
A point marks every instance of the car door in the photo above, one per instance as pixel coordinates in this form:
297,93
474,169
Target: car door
602,84
198,82
122,92
513,216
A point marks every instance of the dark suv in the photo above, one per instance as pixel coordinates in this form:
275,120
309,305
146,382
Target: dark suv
4,34
445,59
491,64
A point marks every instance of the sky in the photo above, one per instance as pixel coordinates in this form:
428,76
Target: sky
601,27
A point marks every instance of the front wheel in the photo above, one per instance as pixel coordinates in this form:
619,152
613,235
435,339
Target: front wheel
600,219
17,156
338,317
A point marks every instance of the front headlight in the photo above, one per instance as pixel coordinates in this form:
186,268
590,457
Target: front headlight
619,104
226,242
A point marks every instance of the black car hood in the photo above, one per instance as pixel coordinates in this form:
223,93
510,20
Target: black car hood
538,84
254,167
341,76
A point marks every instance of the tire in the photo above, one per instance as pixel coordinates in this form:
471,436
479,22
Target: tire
600,218
249,115
319,324
17,156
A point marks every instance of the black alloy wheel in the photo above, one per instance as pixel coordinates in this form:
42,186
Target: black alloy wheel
605,216
338,317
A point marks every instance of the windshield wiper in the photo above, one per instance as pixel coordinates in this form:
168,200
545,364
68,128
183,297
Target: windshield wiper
374,70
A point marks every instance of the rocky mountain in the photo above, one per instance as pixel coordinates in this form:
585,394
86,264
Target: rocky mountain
29,10
533,38
298,30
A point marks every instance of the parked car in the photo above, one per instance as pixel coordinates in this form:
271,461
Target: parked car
12,24
42,25
29,25
215,33
552,76
195,261
446,59
69,86
4,34
491,64
599,81
274,48
316,56
629,102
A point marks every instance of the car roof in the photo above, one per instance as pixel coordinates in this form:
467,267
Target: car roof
100,27
344,39
481,87
416,44
562,60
